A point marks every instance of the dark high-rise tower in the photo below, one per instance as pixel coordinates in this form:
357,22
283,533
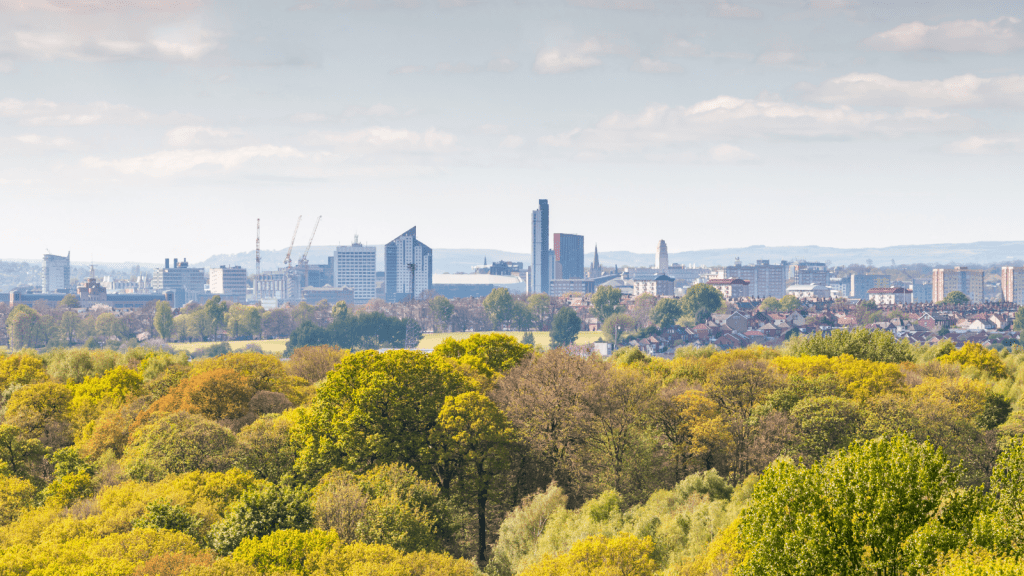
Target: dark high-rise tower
540,273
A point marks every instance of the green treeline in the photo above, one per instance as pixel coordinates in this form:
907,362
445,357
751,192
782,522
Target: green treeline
848,454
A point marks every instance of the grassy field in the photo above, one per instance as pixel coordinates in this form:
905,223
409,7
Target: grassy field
271,346
430,341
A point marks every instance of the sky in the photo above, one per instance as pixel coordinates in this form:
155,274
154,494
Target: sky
137,130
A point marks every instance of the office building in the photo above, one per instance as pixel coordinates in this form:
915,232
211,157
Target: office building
958,279
731,288
355,267
809,273
660,286
56,274
185,282
540,271
662,263
229,281
561,286
1013,284
408,266
765,279
861,283
568,255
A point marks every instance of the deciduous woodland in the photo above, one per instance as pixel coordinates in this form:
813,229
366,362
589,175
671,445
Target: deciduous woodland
848,454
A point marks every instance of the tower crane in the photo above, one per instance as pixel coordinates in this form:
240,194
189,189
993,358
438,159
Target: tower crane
257,247
304,261
288,256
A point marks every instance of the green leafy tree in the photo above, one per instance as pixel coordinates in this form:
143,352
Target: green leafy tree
70,324
666,312
217,310
489,354
851,513
790,303
163,320
178,443
264,447
1008,486
261,511
956,298
244,322
70,301
109,326
770,304
701,301
605,301
528,339
442,309
19,453
874,345
540,306
475,436
164,515
616,326
500,306
42,411
25,328
565,328
378,408
1018,320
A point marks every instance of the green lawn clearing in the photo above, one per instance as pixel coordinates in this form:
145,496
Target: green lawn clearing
270,346
430,341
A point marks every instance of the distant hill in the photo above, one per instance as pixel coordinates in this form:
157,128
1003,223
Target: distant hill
450,260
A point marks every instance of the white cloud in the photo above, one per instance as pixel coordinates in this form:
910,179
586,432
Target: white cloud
723,9
176,44
614,4
47,113
98,6
995,36
187,135
686,48
502,65
659,126
729,154
778,57
41,141
578,57
170,162
652,66
384,138
979,145
512,142
965,90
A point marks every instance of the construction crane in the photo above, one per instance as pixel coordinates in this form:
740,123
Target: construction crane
304,261
288,256
257,247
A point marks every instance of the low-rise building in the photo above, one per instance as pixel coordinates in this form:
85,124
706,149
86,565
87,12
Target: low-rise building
891,296
660,285
809,292
229,281
560,286
731,288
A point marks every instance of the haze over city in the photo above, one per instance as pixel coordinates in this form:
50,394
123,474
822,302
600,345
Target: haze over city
134,130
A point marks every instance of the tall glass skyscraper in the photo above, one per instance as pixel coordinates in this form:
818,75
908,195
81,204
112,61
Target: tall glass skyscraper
540,273
409,267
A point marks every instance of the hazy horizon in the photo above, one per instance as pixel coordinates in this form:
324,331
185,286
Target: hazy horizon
133,131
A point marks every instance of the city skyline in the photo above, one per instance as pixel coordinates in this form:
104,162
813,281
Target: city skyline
457,115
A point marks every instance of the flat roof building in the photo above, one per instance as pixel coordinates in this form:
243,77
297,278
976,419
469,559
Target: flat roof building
355,267
56,274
